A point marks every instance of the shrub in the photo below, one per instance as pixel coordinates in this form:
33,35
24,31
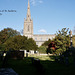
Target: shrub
58,51
42,49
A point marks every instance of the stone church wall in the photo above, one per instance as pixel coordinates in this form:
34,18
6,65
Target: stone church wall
40,39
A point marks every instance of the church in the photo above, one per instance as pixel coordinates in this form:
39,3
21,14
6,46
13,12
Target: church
28,30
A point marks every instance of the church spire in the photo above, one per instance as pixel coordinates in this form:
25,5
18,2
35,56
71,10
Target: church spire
28,12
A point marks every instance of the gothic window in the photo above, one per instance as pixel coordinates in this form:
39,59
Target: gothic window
37,43
40,39
28,27
47,39
35,39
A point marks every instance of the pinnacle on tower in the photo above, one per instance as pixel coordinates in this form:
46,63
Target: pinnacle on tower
28,12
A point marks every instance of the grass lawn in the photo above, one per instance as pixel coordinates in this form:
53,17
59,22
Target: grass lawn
25,67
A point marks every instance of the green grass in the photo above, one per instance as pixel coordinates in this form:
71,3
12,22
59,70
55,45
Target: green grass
25,67
42,57
22,67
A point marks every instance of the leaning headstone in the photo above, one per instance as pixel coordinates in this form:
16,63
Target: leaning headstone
27,54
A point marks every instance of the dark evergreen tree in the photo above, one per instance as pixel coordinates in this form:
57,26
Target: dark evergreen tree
20,42
62,41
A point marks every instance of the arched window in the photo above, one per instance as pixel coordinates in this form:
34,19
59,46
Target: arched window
28,27
35,39
46,39
40,39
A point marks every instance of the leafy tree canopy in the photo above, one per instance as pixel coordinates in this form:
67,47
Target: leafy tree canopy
31,44
6,34
73,39
42,49
46,43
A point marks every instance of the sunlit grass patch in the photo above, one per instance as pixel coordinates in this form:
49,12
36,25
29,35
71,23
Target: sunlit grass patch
41,57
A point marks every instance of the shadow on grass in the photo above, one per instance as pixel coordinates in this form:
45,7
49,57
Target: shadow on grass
56,68
25,67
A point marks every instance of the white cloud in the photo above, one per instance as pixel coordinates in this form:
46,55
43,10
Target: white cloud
34,2
42,31
40,1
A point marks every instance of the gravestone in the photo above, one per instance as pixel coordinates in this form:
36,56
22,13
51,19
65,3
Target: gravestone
17,54
7,71
31,51
25,53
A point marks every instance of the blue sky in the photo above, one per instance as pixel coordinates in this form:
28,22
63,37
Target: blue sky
48,16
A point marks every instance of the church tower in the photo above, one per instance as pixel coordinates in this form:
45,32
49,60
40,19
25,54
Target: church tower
28,24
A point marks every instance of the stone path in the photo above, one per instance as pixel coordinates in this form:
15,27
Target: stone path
7,71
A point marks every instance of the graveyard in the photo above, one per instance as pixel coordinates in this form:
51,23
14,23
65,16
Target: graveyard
40,64
55,57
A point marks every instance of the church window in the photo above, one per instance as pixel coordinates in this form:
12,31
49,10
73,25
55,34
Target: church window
47,39
37,43
41,39
35,39
28,27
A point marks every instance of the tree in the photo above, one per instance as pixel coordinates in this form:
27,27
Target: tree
46,43
6,33
31,44
2,47
16,43
20,42
51,48
42,49
62,41
73,39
